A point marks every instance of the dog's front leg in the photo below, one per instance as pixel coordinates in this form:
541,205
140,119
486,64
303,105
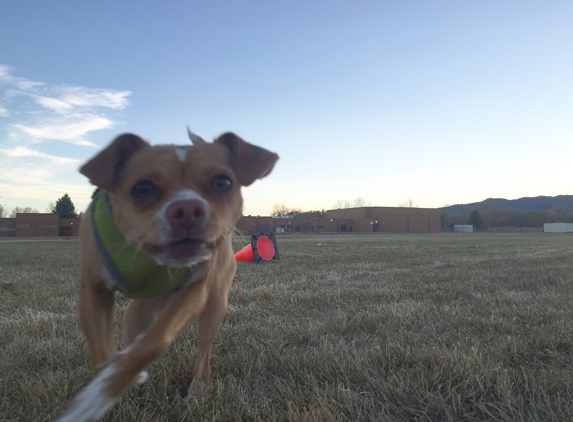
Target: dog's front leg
96,320
138,317
209,324
123,368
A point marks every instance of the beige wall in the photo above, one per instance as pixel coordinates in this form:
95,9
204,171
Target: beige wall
253,223
7,227
353,220
388,219
349,220
69,226
372,219
39,225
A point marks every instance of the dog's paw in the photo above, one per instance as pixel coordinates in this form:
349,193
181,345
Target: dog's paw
197,391
141,377
92,403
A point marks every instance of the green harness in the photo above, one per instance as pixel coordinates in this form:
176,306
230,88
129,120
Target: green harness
135,273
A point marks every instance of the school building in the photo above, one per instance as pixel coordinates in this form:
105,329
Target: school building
39,225
351,220
348,220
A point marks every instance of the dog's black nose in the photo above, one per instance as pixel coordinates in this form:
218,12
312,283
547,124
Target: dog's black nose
187,213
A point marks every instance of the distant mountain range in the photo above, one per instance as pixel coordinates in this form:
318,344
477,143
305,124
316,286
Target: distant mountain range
562,203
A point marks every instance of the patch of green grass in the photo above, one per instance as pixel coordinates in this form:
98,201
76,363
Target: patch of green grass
343,328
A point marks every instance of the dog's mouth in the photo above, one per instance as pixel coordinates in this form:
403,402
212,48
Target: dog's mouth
182,252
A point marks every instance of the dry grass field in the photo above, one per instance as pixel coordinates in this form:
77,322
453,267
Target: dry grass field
447,327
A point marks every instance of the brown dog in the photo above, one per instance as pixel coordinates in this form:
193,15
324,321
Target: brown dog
158,230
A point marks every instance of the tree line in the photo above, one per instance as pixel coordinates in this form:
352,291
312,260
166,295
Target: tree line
63,206
496,217
281,210
505,218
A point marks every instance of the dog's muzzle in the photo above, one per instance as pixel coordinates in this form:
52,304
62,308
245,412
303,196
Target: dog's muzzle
183,252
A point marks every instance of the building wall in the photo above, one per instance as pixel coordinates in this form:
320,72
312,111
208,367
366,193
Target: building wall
463,228
327,225
362,225
37,225
392,224
352,220
305,225
390,219
372,219
69,226
7,227
248,224
349,213
558,227
349,220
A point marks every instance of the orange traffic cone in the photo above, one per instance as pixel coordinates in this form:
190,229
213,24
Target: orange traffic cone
245,254
263,247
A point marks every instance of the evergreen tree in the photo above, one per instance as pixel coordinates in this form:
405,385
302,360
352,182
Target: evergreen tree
476,220
64,207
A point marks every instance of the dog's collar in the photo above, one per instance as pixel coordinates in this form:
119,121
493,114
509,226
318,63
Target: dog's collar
134,273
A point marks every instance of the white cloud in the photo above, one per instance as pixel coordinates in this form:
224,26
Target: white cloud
63,113
71,128
39,122
27,152
86,97
66,98
20,83
53,103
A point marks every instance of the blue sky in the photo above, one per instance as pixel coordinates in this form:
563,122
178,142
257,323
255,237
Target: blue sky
441,102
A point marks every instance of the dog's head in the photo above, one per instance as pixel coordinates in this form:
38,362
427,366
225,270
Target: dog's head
177,203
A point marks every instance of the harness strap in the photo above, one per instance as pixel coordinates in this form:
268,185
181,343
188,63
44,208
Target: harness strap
135,273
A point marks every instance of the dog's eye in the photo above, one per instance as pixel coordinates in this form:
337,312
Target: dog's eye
221,183
143,189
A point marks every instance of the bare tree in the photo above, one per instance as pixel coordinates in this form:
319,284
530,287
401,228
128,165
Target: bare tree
294,211
409,203
342,203
311,213
25,210
280,210
3,211
359,202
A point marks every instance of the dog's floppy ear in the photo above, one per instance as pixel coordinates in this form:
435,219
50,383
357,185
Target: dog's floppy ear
249,162
104,169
